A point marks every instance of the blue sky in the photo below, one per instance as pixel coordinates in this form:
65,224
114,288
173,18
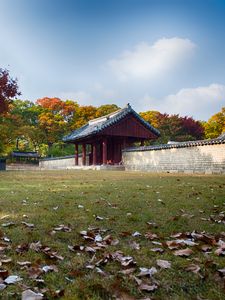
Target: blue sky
166,55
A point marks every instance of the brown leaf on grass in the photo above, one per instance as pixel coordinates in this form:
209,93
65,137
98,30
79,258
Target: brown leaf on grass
159,250
36,246
29,225
4,273
76,248
9,224
127,271
2,286
5,261
164,264
51,268
63,228
206,248
22,248
184,252
173,245
136,234
147,287
134,245
34,272
220,251
221,272
193,268
30,295
57,293
203,237
151,236
24,263
98,218
125,233
4,246
125,261
152,224
147,272
12,279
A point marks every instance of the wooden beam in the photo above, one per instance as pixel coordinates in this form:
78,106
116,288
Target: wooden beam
76,155
104,151
84,154
94,154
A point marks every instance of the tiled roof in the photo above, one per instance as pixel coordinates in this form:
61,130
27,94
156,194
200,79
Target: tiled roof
97,125
219,140
30,154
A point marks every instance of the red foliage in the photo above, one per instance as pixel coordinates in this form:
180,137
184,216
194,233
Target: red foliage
8,90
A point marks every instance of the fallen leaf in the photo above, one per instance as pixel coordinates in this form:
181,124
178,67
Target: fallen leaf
127,271
136,233
98,218
4,274
50,268
160,250
2,286
151,236
222,272
63,228
134,245
147,287
24,263
147,272
184,252
164,264
29,225
193,268
12,279
30,295
9,224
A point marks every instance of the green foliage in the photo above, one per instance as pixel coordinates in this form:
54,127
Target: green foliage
60,149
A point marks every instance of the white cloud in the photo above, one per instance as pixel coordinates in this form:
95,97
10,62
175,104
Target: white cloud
148,61
200,102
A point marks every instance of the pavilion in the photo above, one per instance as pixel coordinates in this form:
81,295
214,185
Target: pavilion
107,136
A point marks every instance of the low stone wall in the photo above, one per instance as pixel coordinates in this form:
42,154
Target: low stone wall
208,159
65,162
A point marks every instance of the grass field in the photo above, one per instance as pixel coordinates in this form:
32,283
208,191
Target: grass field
128,218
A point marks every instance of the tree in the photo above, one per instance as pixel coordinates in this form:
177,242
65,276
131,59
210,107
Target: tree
106,109
215,125
174,127
8,90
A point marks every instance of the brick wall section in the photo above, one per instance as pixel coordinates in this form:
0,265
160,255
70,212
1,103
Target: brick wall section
60,163
208,159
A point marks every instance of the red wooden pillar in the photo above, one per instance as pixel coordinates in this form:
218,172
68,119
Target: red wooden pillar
142,143
83,154
104,152
76,154
94,154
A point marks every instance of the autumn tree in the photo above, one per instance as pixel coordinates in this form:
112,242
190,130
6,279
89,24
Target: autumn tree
106,109
215,125
84,114
8,90
174,127
57,118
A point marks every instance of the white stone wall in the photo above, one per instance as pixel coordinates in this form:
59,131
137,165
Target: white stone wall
67,162
207,159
